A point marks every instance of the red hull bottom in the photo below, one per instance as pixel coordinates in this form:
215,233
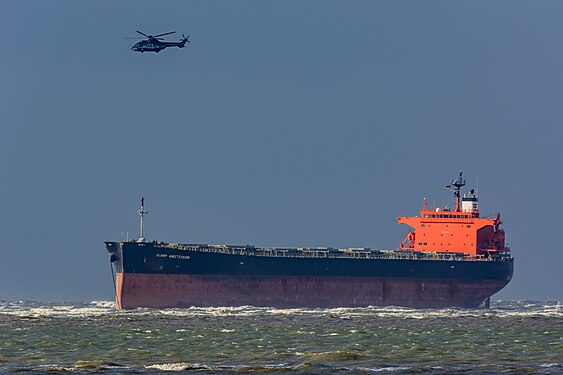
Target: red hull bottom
161,291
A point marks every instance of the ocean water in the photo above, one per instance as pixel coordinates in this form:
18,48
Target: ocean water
92,337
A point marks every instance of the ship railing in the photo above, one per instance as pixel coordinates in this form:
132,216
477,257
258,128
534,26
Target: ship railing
350,253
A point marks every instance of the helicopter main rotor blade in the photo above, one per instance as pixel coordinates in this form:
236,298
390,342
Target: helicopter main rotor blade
143,34
171,32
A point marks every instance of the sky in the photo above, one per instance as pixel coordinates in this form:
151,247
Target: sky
289,123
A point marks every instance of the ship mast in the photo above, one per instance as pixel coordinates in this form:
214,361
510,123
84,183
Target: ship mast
458,184
142,214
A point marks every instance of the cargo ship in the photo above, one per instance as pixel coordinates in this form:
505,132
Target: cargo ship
449,258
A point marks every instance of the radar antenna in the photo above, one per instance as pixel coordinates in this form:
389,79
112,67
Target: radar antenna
458,183
142,213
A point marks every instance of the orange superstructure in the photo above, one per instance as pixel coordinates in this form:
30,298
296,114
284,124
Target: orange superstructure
455,231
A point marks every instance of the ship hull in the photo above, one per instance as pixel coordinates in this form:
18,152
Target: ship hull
150,275
172,291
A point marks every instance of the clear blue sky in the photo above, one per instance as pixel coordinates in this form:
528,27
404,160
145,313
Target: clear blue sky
283,123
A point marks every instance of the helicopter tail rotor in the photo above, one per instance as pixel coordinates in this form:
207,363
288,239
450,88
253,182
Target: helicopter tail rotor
184,40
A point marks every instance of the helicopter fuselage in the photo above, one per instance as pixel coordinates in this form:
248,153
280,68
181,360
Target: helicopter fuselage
155,45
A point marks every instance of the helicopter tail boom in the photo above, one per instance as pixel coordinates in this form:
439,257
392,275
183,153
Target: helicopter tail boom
183,41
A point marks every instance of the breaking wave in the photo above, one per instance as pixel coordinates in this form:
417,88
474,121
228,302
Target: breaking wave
499,309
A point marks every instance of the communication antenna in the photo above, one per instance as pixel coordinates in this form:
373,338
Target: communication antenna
458,183
142,213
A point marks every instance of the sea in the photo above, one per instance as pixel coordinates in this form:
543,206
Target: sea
512,337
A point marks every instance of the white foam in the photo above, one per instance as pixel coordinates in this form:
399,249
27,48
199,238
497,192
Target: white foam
552,365
171,366
383,369
504,309
103,304
182,366
38,310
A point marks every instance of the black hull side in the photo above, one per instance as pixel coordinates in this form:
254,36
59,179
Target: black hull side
131,257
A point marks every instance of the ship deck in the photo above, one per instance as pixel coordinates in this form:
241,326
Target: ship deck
326,252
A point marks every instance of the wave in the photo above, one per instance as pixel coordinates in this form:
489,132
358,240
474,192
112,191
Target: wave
80,366
184,366
499,309
315,366
304,367
333,356
50,309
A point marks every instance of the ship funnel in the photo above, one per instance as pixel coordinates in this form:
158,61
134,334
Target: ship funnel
470,202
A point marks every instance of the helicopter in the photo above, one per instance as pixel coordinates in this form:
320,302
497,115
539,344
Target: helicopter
155,43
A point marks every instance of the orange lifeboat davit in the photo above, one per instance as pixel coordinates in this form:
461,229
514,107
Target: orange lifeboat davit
462,230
